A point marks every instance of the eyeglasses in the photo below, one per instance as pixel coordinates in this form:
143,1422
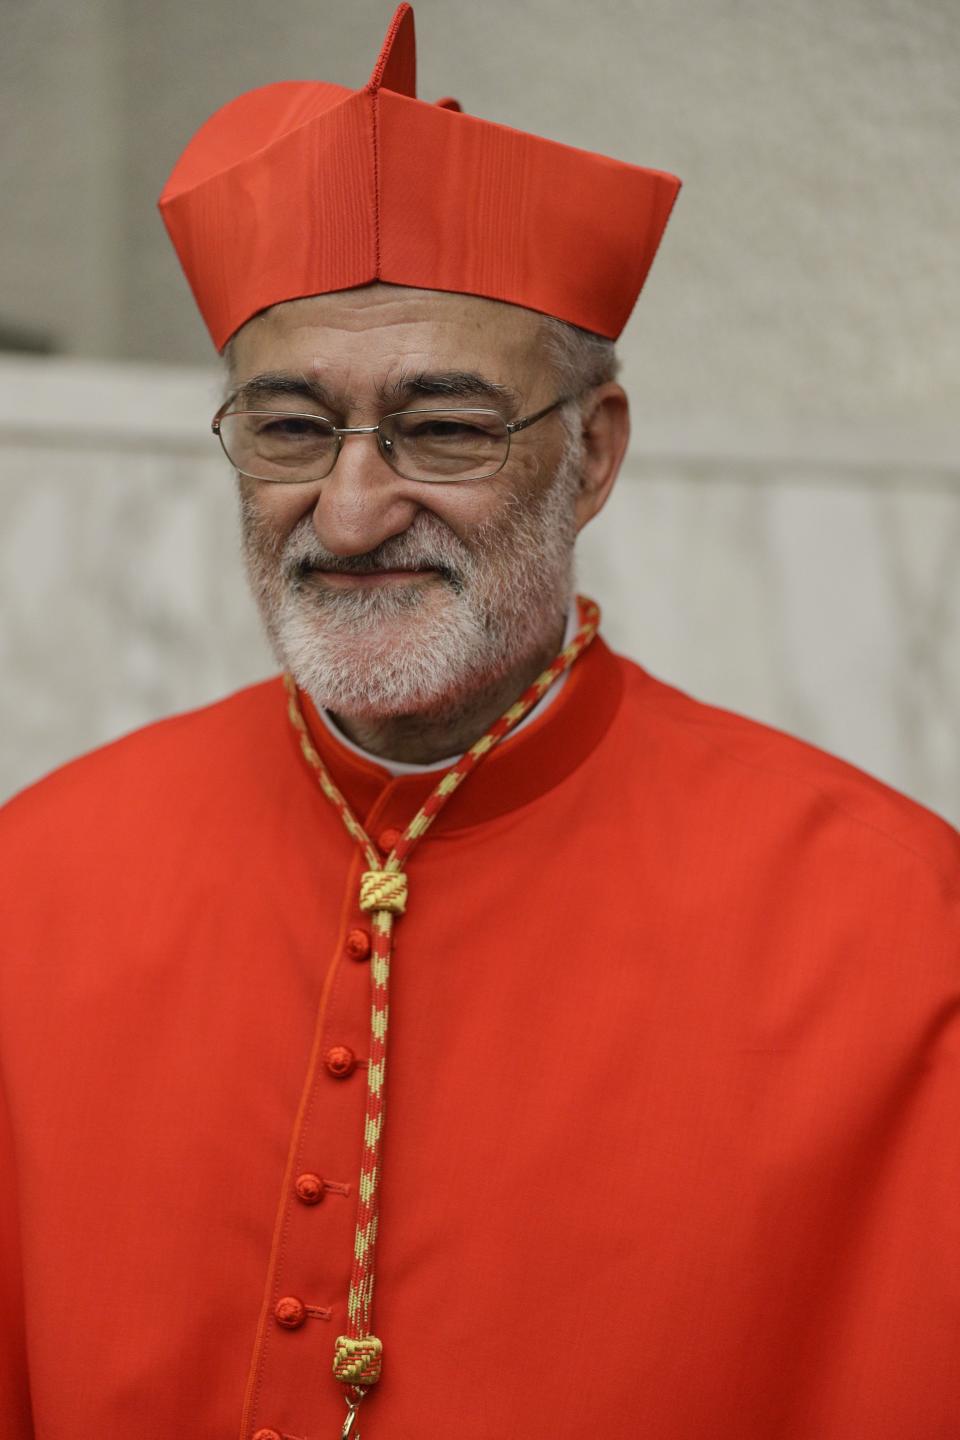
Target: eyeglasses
433,445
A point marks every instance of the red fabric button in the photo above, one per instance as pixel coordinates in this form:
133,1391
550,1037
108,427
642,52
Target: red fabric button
289,1312
267,1435
358,944
309,1189
388,838
340,1060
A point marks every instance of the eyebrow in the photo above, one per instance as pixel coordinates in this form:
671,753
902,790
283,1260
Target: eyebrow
424,384
281,382
447,385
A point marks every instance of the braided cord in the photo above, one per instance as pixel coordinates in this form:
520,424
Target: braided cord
383,893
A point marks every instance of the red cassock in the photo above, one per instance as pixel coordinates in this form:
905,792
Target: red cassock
671,1146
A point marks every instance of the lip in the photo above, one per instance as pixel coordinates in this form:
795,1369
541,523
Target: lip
345,580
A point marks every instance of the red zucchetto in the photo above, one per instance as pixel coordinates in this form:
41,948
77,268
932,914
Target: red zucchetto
301,188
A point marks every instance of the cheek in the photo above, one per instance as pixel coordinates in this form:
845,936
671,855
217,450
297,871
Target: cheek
532,468
490,505
466,508
273,509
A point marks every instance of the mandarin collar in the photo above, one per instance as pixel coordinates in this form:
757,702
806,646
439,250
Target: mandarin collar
521,768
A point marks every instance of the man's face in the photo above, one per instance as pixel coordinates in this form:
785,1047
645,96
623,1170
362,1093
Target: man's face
388,596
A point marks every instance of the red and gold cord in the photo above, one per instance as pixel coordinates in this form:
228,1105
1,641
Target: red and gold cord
383,893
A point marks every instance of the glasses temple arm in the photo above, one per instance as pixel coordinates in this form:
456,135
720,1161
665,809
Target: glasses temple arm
514,425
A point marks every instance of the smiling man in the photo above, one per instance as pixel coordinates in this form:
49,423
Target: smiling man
416,601
467,1034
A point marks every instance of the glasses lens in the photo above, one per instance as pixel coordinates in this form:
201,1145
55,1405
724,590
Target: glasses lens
276,445
445,444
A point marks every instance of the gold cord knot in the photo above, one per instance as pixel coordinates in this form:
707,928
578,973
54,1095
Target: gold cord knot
383,890
357,1362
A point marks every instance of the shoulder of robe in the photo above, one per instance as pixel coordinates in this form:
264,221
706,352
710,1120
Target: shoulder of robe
774,774
154,776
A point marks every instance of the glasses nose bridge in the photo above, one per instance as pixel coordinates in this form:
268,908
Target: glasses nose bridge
345,431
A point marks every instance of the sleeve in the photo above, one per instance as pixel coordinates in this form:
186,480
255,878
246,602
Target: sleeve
16,1422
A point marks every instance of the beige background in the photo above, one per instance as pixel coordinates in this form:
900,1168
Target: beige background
785,540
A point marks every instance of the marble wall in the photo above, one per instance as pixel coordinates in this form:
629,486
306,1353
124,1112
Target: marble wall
807,577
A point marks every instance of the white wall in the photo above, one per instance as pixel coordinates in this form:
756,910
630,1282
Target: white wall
814,586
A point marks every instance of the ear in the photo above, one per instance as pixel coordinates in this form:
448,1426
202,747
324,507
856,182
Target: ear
606,432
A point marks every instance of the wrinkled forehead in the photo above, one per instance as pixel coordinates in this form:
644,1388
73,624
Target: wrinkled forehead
376,329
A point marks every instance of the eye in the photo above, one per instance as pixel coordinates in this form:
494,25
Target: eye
447,429
292,427
454,428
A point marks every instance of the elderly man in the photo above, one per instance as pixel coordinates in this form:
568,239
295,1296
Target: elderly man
476,1030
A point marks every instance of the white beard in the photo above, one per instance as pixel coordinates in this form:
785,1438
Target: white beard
408,650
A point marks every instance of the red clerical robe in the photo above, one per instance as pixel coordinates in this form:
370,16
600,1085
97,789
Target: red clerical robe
673,1090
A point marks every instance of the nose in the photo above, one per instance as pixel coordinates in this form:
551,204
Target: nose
362,502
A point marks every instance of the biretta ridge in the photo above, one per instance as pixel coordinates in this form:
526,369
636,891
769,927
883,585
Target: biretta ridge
305,187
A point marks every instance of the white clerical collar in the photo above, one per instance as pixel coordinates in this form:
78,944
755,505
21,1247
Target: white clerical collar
402,767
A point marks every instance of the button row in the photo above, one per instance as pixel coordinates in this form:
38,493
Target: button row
290,1311
340,1060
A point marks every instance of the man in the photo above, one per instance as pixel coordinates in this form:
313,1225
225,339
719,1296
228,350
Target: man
657,1135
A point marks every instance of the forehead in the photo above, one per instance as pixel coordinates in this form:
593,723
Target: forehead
378,330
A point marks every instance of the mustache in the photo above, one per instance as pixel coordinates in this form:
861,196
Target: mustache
424,546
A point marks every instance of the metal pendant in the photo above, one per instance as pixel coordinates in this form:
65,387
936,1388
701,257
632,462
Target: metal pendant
348,1432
